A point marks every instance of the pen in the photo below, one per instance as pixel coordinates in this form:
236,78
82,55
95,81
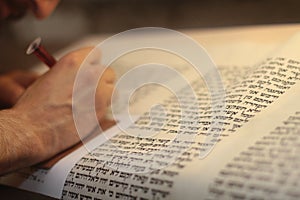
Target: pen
36,48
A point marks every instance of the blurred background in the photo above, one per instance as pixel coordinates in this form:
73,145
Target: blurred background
75,19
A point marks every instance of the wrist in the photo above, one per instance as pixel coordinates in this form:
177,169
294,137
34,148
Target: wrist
51,127
19,144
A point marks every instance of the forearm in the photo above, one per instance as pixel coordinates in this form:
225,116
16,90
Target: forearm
19,147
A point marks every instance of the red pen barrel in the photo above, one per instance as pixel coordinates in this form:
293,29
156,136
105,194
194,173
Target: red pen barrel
44,56
37,49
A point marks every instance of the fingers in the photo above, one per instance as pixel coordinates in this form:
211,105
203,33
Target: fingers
106,85
108,76
44,8
70,63
10,91
75,58
24,78
104,92
103,100
13,85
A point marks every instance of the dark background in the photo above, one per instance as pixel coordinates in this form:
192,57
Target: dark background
75,19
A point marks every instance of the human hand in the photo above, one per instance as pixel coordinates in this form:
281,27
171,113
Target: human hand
13,85
44,8
17,8
44,112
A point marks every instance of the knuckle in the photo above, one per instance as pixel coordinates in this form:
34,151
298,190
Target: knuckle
108,76
69,60
75,58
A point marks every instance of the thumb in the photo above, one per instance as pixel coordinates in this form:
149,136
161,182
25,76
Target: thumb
24,78
11,92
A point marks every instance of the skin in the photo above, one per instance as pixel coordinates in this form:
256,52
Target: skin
39,121
13,84
18,8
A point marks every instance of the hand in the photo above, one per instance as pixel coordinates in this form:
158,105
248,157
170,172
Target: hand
13,85
42,120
